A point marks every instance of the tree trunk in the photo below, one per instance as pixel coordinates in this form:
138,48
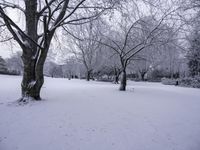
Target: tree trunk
30,84
33,77
123,81
88,74
34,52
116,79
39,77
116,76
142,76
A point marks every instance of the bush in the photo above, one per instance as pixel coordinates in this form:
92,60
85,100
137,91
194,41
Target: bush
10,72
190,82
193,82
135,79
105,80
157,74
154,80
167,81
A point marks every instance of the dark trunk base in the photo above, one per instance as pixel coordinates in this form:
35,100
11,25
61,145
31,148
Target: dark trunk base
116,80
88,75
87,79
142,77
122,87
123,82
27,99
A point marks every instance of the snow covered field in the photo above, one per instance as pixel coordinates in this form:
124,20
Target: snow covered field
80,115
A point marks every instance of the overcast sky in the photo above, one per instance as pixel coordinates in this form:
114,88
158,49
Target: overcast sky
6,50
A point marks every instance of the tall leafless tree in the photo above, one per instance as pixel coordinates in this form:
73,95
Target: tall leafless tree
42,18
87,51
133,37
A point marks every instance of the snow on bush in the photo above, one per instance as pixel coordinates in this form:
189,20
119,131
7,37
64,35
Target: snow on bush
167,81
184,82
190,82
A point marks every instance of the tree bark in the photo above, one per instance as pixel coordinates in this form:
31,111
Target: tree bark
117,72
33,77
88,75
34,52
142,76
116,79
123,81
30,85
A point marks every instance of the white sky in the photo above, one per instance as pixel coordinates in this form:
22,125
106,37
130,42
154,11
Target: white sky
6,49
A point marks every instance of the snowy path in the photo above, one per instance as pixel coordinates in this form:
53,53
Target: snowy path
80,115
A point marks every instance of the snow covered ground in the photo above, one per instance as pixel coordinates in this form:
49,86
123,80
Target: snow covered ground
80,115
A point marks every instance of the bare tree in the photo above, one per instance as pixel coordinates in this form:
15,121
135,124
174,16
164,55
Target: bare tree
111,62
139,35
88,51
42,18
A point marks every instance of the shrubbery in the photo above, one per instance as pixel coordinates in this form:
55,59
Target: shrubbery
184,82
167,81
190,82
13,72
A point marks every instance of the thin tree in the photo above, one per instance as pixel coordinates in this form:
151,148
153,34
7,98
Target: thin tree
87,51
